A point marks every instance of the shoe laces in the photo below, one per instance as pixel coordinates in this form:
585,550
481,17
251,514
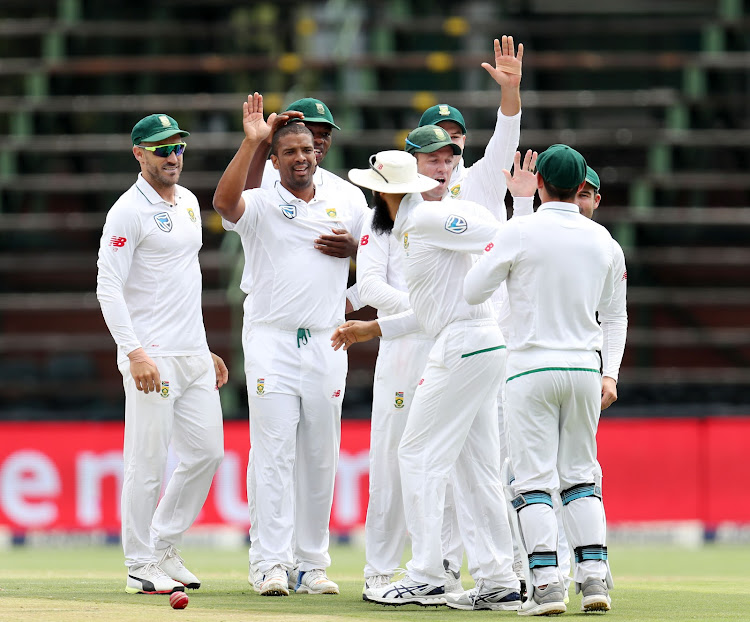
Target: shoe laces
152,569
475,593
172,553
378,580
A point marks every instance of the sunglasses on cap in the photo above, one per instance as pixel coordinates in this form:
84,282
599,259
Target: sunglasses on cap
164,151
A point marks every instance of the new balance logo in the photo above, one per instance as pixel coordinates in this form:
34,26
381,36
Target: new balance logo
624,276
118,242
336,393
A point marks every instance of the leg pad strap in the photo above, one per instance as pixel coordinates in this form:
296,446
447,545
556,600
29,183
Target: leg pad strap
542,559
579,491
529,498
590,552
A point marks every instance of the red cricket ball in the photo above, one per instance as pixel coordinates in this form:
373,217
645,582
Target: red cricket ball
178,600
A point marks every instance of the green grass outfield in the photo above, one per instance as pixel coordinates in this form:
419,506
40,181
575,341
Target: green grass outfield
81,584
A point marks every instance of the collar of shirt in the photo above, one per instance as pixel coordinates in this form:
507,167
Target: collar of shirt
559,205
147,190
287,196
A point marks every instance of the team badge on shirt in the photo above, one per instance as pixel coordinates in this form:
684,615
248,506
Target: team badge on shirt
399,403
191,213
290,211
331,212
164,389
455,190
260,386
456,224
406,241
163,221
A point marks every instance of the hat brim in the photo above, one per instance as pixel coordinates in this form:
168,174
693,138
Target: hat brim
155,138
319,120
435,147
592,183
367,178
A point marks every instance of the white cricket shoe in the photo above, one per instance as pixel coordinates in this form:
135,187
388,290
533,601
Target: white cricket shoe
482,597
375,582
409,592
255,577
453,583
292,576
545,601
595,595
315,582
274,582
150,579
174,566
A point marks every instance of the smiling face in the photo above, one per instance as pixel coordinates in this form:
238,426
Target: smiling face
457,137
587,200
294,158
161,173
437,165
322,138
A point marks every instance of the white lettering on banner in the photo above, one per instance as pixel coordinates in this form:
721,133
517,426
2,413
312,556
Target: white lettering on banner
29,482
351,468
229,484
91,469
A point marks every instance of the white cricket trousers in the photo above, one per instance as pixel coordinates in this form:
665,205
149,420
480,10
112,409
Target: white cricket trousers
296,387
187,413
398,370
552,415
453,425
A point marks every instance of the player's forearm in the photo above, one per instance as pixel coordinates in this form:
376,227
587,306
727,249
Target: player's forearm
117,318
229,189
614,332
510,101
257,164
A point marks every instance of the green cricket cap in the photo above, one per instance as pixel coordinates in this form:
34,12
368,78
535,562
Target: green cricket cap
592,178
442,112
562,166
314,110
429,138
155,127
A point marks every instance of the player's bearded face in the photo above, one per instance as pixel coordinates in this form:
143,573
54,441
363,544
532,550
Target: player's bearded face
296,161
381,218
162,172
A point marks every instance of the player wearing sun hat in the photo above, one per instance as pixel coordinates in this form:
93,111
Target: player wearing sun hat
561,271
149,288
452,424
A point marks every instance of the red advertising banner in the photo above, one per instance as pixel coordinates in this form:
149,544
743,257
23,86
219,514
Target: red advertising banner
67,476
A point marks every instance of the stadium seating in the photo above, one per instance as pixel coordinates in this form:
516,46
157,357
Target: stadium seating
654,94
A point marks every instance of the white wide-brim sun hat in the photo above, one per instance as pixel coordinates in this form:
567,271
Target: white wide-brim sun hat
392,172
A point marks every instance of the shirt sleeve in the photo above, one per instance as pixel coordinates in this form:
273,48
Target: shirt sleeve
484,181
352,295
398,325
120,238
613,314
372,274
249,218
462,226
523,206
492,268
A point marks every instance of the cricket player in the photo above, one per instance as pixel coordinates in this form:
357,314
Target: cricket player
452,425
295,381
337,242
149,288
561,270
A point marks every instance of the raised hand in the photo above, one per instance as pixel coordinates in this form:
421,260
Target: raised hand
523,182
256,128
508,63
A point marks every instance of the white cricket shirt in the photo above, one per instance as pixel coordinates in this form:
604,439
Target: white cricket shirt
438,241
149,279
561,268
293,285
483,182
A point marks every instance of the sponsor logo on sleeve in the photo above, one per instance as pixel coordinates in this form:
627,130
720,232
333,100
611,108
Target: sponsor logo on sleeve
624,276
456,224
365,240
336,393
163,221
117,242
